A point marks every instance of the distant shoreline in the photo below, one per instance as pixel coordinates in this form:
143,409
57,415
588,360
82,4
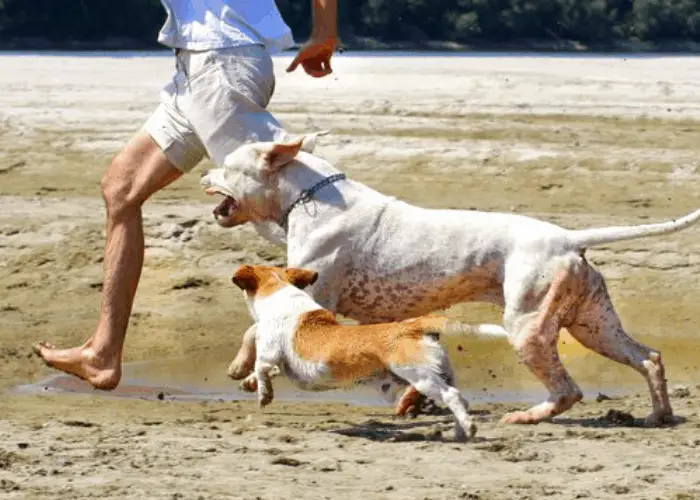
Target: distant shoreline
369,44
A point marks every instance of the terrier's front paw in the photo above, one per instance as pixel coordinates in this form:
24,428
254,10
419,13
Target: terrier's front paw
239,369
249,384
265,395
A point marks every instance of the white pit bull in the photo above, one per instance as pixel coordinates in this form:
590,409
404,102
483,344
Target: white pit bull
380,260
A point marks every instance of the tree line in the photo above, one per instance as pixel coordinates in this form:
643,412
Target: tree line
388,21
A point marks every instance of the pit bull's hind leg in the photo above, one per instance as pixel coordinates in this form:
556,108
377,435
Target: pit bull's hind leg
534,329
598,327
537,347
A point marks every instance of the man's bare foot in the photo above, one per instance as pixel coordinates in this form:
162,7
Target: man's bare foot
81,362
522,417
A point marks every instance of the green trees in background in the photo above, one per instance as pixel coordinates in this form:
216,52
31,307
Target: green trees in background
80,19
468,21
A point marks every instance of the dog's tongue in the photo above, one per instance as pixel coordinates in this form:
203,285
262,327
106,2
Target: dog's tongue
226,207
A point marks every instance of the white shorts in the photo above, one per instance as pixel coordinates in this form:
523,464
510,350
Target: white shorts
215,103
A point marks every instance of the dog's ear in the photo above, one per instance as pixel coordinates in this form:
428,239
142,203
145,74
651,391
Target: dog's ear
308,143
246,278
276,155
301,278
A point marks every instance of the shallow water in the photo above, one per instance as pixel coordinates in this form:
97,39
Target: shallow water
487,371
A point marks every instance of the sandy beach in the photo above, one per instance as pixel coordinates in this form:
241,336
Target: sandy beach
577,140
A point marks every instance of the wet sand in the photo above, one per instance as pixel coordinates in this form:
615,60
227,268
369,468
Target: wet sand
577,141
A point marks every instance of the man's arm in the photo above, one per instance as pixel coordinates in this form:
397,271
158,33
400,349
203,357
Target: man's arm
315,55
324,19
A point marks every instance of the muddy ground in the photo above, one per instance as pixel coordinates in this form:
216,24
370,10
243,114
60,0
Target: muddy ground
577,141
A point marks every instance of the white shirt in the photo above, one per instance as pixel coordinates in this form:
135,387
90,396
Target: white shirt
216,24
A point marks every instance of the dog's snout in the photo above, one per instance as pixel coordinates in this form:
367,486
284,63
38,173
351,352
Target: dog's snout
204,179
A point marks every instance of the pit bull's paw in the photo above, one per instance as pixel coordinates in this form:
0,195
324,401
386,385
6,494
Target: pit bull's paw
249,384
660,419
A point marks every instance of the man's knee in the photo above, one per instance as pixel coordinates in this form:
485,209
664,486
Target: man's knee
119,186
135,174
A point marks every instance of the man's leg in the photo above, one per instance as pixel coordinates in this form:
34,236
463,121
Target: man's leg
137,172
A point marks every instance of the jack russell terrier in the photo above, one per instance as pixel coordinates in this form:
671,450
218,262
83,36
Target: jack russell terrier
381,259
298,337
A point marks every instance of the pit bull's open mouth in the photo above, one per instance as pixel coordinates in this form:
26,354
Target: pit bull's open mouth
225,210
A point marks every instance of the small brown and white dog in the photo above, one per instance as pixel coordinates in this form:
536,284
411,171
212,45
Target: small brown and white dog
304,340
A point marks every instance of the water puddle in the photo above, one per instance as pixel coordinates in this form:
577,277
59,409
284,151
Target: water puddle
487,371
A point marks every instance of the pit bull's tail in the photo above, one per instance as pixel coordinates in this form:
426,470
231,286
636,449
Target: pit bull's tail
437,325
586,238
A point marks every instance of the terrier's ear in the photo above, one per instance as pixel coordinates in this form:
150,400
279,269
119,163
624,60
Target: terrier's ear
246,278
301,278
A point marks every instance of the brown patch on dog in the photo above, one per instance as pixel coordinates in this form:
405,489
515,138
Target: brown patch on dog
301,278
357,351
246,278
266,280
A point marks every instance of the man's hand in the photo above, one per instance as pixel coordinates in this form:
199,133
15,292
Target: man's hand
315,57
